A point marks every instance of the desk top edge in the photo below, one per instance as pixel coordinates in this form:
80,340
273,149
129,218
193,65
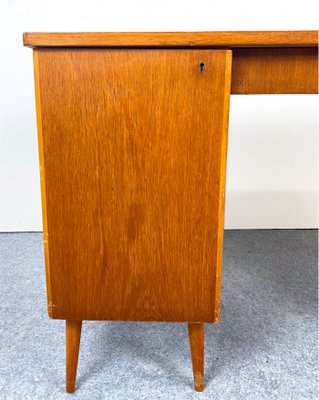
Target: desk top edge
173,39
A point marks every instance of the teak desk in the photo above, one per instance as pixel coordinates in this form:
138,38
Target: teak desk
132,132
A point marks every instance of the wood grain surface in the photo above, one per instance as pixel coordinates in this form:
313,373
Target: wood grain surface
196,339
173,39
73,338
133,146
42,179
275,71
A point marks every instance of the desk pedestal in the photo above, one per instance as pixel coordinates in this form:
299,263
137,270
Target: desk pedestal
132,146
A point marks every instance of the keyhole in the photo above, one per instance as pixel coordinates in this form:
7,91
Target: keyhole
201,67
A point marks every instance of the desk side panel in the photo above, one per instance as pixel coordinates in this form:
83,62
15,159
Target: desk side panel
134,149
42,178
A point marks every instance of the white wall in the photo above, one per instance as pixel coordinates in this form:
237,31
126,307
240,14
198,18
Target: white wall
272,163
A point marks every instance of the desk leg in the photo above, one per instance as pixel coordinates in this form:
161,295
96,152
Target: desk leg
196,339
73,335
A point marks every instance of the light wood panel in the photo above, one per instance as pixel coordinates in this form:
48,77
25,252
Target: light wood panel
134,153
173,39
275,71
42,179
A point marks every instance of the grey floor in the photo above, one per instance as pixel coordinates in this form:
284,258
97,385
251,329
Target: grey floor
265,346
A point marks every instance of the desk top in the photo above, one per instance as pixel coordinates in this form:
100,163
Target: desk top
174,39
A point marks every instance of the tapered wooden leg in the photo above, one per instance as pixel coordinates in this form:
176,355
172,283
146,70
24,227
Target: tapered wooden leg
196,339
73,335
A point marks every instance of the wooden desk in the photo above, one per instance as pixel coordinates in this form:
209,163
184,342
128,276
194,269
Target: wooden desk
132,132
